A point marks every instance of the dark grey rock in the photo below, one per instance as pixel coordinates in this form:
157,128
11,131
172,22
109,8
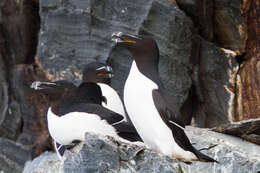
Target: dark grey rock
10,116
22,110
12,123
230,25
12,156
189,7
227,17
3,91
105,154
214,79
247,129
75,33
47,160
25,121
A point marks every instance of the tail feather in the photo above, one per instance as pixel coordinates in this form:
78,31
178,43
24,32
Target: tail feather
203,157
60,149
127,131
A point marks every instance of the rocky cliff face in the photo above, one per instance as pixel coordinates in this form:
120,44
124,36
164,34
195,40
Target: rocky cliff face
104,154
187,61
209,58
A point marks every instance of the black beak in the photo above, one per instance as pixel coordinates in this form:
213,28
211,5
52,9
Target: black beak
37,85
106,71
120,37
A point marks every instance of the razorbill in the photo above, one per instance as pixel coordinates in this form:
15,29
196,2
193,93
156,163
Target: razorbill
76,110
55,91
101,74
146,101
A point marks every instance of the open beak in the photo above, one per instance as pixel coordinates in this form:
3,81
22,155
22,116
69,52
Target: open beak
106,71
37,85
120,37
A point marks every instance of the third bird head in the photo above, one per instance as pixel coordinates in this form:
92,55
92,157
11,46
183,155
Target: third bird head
97,72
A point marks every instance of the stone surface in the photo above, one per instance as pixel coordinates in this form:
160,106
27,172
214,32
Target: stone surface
222,22
189,7
19,118
30,108
20,25
74,33
104,154
248,79
230,25
214,81
247,91
248,130
47,160
12,156
12,122
205,19
3,88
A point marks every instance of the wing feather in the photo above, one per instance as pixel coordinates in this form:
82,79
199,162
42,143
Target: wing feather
104,113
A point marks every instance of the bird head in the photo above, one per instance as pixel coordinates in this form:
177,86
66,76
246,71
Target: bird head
138,45
97,72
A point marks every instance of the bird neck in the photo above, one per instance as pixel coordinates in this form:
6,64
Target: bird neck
150,70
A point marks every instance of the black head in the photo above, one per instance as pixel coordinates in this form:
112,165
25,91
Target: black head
89,92
54,90
143,48
97,72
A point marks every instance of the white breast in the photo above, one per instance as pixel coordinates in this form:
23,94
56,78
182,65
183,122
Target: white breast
145,117
73,126
114,102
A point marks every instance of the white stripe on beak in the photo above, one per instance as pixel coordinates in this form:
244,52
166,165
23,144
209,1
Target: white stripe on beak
36,84
107,68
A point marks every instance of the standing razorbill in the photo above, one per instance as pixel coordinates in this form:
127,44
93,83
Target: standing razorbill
101,74
78,110
146,101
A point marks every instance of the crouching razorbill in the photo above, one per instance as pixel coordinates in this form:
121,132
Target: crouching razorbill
146,101
78,110
101,74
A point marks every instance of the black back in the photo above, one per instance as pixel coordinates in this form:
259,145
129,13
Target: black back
86,98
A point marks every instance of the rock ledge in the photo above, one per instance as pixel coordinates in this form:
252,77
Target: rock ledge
105,154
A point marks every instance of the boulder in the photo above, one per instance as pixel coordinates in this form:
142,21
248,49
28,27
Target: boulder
247,129
215,82
12,156
105,154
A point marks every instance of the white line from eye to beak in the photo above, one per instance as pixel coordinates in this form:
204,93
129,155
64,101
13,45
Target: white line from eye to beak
108,68
35,85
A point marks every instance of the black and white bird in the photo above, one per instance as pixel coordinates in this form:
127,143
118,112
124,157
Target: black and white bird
101,74
55,91
77,110
147,105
